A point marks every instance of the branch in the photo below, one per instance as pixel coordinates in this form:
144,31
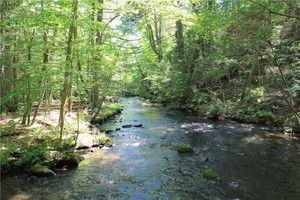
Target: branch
129,40
277,13
99,39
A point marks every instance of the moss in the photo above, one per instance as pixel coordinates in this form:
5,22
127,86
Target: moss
209,173
183,148
40,170
69,159
106,141
108,112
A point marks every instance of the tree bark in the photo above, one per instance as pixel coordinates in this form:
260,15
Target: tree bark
155,45
180,45
68,67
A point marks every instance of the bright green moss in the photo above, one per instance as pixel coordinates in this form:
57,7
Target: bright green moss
183,148
209,173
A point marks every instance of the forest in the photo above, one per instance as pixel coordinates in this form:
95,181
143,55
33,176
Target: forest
73,60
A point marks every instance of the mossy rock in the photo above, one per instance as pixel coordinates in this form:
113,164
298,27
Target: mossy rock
40,170
106,141
64,159
210,174
183,148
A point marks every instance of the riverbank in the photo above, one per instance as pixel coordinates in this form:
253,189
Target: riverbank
258,107
22,148
251,161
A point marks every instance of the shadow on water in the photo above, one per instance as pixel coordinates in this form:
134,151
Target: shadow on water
253,162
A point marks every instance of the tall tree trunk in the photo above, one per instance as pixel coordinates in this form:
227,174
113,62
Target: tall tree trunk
180,46
95,88
68,67
194,61
155,45
254,63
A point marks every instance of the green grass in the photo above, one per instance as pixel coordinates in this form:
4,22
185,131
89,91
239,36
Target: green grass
109,111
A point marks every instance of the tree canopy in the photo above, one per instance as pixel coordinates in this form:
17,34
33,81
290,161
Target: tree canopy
219,58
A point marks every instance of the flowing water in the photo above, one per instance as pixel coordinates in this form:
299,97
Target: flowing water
253,162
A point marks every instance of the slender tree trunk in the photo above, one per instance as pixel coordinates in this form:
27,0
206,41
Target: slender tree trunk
180,46
68,67
155,45
194,61
102,100
254,63
95,88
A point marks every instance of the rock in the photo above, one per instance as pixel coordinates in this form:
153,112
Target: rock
69,160
137,125
65,159
108,131
106,141
210,174
183,148
127,126
82,147
86,140
40,170
98,121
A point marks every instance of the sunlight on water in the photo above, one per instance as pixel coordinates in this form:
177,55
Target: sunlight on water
252,162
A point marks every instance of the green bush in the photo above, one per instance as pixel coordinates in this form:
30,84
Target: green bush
33,155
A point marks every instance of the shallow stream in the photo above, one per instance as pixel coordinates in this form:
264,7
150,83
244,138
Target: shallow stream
253,162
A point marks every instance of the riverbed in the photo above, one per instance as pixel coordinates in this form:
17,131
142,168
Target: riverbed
252,161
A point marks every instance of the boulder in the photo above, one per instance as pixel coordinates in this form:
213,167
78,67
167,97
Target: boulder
41,171
105,141
69,160
86,140
66,159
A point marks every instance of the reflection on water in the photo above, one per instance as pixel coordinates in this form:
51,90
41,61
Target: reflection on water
253,162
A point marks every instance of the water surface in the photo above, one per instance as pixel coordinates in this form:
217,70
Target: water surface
253,162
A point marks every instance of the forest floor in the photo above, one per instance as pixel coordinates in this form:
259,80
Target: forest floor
22,146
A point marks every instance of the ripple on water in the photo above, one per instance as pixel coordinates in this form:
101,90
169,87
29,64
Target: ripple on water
253,162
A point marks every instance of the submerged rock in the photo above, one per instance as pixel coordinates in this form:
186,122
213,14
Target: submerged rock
137,125
210,174
127,126
183,148
40,170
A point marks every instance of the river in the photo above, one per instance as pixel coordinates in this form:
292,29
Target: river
253,162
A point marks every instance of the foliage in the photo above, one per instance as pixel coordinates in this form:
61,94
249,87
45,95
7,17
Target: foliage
33,155
228,58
